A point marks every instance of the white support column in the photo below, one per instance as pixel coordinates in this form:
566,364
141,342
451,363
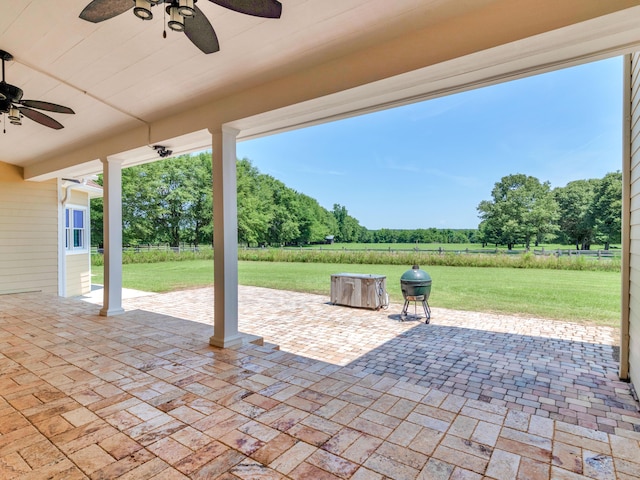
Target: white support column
225,242
112,218
62,250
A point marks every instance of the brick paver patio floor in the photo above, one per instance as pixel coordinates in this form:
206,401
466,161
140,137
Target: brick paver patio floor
352,394
553,369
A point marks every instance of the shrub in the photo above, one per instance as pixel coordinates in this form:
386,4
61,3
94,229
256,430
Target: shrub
156,256
448,259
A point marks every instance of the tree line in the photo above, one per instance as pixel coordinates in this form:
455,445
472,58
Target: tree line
168,201
171,201
524,210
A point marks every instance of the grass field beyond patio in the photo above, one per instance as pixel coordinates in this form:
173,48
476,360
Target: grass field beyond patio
581,296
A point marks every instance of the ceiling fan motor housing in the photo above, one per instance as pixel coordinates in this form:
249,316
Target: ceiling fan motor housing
10,92
12,104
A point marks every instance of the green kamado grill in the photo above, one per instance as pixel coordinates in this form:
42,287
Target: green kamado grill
416,287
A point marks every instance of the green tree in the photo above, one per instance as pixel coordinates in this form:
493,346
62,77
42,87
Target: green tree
269,212
606,209
349,229
312,221
165,201
180,195
139,204
254,209
171,201
200,208
385,235
96,220
521,209
487,233
283,225
344,233
576,220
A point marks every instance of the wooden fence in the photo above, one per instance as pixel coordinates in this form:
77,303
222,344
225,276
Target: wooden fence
160,247
485,251
440,251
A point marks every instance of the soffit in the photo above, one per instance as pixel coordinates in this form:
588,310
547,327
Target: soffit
121,74
322,59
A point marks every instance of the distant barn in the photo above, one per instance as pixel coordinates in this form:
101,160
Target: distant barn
328,239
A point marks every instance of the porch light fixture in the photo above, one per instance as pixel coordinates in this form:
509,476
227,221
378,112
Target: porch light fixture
162,151
14,116
186,9
142,9
176,20
178,11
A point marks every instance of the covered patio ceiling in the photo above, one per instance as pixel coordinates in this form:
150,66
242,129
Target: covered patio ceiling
132,89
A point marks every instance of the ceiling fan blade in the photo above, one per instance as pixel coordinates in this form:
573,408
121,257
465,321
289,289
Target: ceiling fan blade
49,107
198,29
257,8
40,118
101,10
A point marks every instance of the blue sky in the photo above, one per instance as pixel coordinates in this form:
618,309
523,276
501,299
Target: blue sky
431,163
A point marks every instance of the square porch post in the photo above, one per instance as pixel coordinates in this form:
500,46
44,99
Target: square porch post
112,218
225,241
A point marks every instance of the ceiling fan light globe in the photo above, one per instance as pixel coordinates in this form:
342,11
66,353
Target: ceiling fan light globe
14,115
186,9
176,21
143,9
176,26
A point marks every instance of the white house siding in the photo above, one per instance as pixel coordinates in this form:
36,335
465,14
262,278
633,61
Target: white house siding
78,275
28,233
78,266
634,226
78,198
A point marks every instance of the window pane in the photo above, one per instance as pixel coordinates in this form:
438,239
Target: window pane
66,217
78,219
77,238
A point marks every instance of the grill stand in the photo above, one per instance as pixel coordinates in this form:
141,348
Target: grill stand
416,299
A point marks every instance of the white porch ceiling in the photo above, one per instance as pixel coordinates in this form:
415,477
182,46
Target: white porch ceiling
324,59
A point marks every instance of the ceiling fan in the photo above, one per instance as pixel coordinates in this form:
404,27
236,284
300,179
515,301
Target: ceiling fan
12,104
184,15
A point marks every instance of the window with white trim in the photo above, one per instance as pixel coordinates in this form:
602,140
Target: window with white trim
75,229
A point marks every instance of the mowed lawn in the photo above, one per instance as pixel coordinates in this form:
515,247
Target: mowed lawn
579,296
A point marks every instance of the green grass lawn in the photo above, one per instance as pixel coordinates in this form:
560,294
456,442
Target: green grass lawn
581,296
